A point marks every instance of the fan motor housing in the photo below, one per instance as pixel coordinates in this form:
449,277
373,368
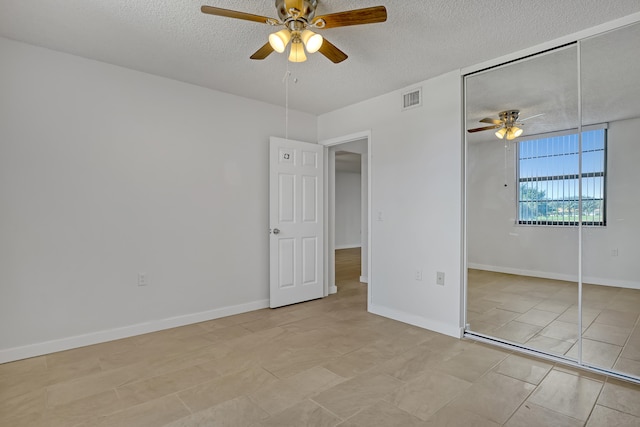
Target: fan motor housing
509,116
307,9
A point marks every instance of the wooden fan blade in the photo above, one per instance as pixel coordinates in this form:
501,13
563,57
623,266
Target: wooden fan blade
369,15
489,120
263,52
334,54
235,14
484,128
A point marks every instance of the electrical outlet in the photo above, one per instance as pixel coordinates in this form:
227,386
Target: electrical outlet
418,275
143,279
440,278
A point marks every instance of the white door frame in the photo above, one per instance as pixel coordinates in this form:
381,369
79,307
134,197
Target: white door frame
330,243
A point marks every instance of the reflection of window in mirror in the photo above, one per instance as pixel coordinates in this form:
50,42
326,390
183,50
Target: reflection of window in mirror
552,175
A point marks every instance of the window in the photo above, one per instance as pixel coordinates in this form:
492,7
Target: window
549,179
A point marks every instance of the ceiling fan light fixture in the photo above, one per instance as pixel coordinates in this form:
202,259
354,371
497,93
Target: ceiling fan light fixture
279,40
501,132
513,132
296,16
312,41
297,52
517,131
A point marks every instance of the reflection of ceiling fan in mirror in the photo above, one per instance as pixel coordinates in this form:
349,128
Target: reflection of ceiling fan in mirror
298,19
507,124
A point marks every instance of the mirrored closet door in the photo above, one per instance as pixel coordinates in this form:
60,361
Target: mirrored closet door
551,235
521,178
610,84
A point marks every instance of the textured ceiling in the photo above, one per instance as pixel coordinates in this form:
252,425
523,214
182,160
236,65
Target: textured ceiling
420,40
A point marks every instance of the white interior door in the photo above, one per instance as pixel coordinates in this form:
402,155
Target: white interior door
296,208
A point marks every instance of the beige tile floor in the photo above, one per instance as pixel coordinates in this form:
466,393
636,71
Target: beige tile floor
543,314
322,363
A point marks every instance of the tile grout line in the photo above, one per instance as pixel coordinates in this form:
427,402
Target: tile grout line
609,407
177,395
330,411
633,328
530,393
595,402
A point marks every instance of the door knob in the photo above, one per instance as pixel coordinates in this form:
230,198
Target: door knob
276,231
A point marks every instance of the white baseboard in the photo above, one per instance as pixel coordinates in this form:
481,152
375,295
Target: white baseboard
333,289
522,272
39,349
557,276
352,246
364,279
432,325
610,282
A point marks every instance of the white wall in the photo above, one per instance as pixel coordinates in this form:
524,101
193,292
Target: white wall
348,209
106,172
496,243
416,172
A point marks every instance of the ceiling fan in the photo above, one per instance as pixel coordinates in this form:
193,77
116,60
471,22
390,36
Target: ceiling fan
507,124
298,17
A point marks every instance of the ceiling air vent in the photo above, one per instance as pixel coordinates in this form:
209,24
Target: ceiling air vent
412,99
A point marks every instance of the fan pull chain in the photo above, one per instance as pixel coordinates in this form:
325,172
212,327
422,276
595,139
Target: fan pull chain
285,80
506,147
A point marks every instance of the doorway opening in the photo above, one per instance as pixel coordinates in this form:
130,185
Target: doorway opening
348,210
